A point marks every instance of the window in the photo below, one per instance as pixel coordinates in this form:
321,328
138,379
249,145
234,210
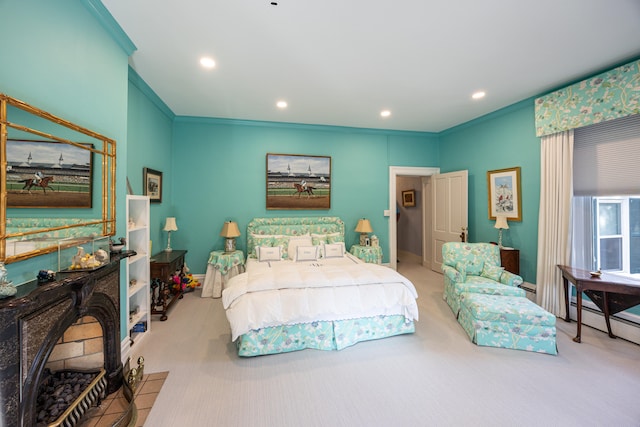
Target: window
616,231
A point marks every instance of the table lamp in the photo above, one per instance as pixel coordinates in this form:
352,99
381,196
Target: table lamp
363,227
230,231
169,226
501,223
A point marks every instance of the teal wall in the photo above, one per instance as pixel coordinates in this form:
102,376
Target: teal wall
57,57
150,127
219,174
503,139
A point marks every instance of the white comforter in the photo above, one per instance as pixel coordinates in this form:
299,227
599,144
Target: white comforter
287,292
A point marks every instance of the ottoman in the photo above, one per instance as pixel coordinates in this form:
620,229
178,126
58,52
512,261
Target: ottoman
508,322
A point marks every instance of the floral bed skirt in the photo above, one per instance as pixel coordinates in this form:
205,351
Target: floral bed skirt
321,335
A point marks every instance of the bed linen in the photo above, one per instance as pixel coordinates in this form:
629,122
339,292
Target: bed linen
302,295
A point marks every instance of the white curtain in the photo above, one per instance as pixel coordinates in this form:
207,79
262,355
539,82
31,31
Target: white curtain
554,222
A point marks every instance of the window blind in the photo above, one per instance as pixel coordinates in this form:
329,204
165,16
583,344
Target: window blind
606,158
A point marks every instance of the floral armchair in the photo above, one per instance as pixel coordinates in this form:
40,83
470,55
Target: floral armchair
475,268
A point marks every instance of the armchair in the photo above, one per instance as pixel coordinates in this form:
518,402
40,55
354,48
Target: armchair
475,268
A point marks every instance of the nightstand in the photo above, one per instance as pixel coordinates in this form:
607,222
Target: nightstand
510,260
370,254
221,267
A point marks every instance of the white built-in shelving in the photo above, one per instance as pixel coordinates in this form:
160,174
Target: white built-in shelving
138,281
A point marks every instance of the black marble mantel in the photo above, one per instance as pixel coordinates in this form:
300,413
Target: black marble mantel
32,321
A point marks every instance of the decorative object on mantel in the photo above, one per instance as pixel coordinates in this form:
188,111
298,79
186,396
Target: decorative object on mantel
6,287
501,224
169,226
230,231
364,227
46,276
117,247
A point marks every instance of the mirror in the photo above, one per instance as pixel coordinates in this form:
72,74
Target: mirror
58,181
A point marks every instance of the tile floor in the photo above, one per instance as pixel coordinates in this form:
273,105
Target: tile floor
115,404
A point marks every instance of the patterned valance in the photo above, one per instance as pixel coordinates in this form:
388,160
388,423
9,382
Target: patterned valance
609,95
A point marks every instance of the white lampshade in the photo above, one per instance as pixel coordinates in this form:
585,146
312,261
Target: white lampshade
230,229
170,224
364,226
501,222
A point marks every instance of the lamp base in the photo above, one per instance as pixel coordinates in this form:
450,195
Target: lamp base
363,239
168,249
230,245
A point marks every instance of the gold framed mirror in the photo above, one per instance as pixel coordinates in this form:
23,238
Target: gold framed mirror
58,181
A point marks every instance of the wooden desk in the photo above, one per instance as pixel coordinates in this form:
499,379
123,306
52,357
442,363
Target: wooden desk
612,294
163,266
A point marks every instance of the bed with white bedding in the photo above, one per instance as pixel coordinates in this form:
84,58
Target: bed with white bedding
301,289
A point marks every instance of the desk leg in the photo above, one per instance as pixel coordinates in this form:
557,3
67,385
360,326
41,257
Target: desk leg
579,308
566,299
606,314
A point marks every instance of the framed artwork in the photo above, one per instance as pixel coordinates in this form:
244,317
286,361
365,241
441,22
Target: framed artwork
409,198
297,181
505,198
48,174
152,185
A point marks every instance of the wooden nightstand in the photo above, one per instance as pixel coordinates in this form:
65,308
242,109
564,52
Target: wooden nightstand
510,260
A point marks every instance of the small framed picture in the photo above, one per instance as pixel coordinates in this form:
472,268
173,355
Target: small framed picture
152,185
504,194
409,198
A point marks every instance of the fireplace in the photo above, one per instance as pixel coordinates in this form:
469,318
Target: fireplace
35,320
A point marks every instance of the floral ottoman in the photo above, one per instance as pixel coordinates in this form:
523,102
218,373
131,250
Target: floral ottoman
508,322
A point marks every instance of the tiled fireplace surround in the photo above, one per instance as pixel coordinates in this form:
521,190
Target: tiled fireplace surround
73,322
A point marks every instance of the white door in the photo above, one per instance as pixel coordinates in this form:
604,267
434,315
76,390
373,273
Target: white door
450,215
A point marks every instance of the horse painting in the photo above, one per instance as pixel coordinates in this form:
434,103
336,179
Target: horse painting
31,182
300,189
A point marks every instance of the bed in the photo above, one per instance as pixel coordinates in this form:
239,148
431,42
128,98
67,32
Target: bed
301,289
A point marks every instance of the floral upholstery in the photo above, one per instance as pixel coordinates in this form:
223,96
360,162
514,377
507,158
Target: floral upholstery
508,322
467,267
276,231
321,335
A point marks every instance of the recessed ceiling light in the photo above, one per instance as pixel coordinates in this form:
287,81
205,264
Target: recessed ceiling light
478,95
207,62
281,104
385,113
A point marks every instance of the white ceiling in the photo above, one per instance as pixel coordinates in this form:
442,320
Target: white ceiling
340,62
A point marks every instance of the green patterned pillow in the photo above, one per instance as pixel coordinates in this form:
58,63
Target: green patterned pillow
283,242
474,268
492,272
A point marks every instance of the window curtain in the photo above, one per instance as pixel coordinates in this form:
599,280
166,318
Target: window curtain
554,223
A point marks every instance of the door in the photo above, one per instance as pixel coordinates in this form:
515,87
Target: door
450,212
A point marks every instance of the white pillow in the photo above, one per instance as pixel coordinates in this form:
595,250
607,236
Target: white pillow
334,250
306,253
268,253
296,241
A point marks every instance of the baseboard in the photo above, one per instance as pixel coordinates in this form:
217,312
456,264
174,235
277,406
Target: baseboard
623,325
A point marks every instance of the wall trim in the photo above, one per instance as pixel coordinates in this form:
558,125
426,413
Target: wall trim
137,81
97,9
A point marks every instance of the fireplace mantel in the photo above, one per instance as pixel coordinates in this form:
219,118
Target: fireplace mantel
32,321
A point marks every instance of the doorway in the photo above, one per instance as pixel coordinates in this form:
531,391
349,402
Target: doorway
423,174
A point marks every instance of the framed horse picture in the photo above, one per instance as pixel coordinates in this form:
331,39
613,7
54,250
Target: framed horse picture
297,181
48,174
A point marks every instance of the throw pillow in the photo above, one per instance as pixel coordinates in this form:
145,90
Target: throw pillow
492,272
269,253
306,253
334,250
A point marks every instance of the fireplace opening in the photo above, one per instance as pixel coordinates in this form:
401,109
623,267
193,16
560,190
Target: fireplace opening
73,378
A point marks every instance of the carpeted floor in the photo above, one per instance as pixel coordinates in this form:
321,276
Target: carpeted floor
115,404
434,377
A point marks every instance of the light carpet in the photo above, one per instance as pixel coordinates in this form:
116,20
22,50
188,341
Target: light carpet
434,377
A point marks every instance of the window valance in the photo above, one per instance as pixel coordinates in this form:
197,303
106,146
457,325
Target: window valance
606,96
